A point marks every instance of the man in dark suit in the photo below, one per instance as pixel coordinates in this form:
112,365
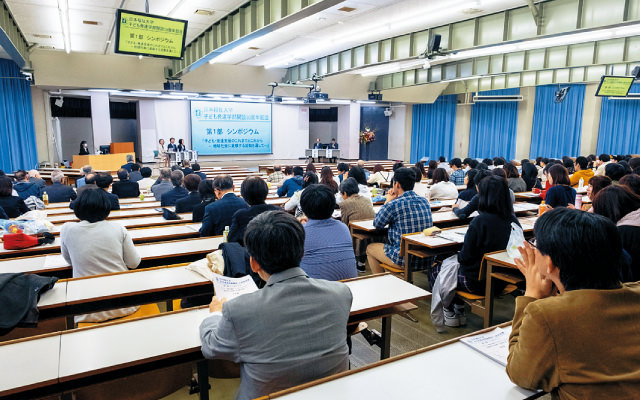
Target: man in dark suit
129,163
196,170
57,192
34,177
218,214
186,204
178,192
254,190
172,145
317,144
125,189
135,175
100,180
89,182
186,167
333,145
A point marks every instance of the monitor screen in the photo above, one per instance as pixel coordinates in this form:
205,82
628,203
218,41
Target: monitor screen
149,35
229,128
614,86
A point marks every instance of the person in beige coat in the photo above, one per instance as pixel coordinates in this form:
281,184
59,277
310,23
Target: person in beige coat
355,207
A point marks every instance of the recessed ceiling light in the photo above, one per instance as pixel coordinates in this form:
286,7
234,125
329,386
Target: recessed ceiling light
91,22
41,36
204,12
346,9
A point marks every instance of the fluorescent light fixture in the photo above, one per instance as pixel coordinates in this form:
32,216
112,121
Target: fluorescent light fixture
244,96
144,93
63,11
219,96
104,90
340,101
186,94
467,78
289,99
390,68
366,102
172,97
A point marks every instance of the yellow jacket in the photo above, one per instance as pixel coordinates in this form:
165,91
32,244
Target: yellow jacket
586,174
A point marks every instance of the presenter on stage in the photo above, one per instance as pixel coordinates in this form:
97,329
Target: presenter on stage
333,145
162,153
317,144
181,146
84,148
172,145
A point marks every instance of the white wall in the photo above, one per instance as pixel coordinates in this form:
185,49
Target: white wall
100,118
397,133
349,131
325,130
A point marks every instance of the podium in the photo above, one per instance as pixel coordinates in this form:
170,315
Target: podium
108,162
123,147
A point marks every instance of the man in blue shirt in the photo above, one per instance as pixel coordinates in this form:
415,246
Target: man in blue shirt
87,169
293,184
404,212
219,214
457,176
328,249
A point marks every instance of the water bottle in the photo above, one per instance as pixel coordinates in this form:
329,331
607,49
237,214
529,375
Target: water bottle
225,234
581,183
578,202
542,208
45,198
141,196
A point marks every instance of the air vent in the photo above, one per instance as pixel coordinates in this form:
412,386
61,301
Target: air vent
346,9
41,36
91,23
206,13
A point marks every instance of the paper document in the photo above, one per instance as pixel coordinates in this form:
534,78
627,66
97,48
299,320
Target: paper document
55,261
457,237
230,288
493,344
461,203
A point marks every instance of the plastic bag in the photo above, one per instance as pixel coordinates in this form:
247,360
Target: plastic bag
27,227
516,239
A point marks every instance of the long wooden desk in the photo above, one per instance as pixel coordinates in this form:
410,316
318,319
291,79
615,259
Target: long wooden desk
123,207
142,222
91,355
448,370
140,235
53,264
134,200
494,262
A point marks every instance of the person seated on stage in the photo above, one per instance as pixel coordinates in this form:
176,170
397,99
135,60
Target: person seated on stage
354,207
130,162
488,232
254,191
317,144
515,182
196,170
207,196
333,145
34,177
632,181
23,187
103,181
292,184
457,176
559,343
95,246
178,192
441,188
219,214
186,204
181,147
358,174
124,188
380,176
291,331
172,145
560,194
343,169
80,182
186,167
277,174
13,205
366,171
84,148
328,249
164,185
308,179
615,172
404,212
470,191
135,175
146,182
622,206
288,173
58,192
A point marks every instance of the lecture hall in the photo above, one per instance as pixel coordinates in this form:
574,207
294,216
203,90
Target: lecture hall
319,199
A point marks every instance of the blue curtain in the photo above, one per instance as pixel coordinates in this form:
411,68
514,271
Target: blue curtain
433,128
17,133
494,126
557,127
620,125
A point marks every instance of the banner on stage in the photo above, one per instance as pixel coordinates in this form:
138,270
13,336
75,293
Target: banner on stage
329,153
227,128
314,153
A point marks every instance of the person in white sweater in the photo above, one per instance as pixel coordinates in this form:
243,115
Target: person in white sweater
441,188
94,246
380,176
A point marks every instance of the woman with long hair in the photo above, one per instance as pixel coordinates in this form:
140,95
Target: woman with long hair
326,178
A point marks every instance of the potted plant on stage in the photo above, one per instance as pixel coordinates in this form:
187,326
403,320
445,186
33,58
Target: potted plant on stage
367,136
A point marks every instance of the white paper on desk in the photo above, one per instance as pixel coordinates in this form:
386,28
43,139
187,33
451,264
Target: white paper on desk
493,344
453,236
461,203
336,214
230,288
55,261
474,214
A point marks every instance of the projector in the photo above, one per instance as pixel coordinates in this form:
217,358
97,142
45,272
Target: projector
317,96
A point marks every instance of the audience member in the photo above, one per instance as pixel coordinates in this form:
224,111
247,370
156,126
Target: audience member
80,182
309,178
34,177
178,192
397,165
254,191
515,182
207,196
557,343
187,203
89,183
343,169
634,164
130,162
196,170
124,188
354,207
601,163
164,186
420,167
103,181
23,187
218,214
421,189
582,172
405,212
135,174
441,188
358,174
470,191
277,174
380,176
365,170
186,168
569,165
472,206
433,165
95,246
13,205
457,176
58,192
290,332
530,176
146,182
632,181
560,194
311,168
326,178
615,172
292,184
328,250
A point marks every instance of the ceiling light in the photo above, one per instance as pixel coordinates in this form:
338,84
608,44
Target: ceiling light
144,92
184,94
63,11
244,96
340,101
204,12
104,90
366,102
140,57
90,22
289,98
